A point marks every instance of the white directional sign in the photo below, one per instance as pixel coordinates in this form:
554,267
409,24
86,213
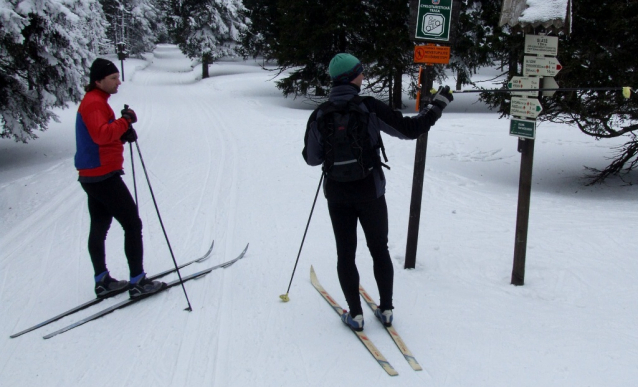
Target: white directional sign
549,83
525,107
541,66
541,45
524,83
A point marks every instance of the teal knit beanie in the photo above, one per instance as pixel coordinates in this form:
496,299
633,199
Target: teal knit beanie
344,68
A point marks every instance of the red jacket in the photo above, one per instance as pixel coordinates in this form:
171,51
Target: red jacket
97,136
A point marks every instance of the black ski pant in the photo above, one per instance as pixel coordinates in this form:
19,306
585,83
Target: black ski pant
110,199
373,216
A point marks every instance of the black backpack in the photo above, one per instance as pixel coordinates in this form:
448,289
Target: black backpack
348,151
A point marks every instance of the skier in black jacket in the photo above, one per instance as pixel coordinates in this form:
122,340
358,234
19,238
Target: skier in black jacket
364,199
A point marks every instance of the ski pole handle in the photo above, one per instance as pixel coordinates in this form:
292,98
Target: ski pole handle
126,107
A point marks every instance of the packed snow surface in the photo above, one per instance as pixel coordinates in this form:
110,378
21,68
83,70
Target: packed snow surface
224,159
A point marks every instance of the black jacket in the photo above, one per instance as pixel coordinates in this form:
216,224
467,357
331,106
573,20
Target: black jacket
382,119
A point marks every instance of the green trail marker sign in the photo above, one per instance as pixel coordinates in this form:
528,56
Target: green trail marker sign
523,128
433,20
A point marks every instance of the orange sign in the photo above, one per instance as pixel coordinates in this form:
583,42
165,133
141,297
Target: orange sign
431,54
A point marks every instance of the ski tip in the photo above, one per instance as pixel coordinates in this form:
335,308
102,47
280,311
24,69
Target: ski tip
208,253
313,276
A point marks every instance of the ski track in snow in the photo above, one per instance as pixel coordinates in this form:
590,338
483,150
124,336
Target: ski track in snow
223,156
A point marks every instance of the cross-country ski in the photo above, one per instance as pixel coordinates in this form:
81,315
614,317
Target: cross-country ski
98,300
367,343
393,333
131,301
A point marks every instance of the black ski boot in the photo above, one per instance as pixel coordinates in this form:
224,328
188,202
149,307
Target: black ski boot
108,286
144,287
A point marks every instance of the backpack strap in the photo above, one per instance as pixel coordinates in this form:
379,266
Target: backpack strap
359,100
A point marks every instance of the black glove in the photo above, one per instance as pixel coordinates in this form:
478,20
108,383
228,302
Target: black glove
129,136
130,115
442,97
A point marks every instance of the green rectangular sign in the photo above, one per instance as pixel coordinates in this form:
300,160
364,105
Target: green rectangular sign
433,20
523,128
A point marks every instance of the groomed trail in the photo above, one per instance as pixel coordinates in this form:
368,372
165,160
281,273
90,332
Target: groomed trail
224,159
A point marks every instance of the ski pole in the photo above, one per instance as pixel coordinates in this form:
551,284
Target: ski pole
284,297
626,90
130,147
189,308
159,216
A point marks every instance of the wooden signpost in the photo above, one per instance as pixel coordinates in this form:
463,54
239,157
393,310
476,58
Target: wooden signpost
431,22
524,109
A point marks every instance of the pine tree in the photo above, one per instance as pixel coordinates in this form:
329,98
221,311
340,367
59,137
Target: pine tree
477,39
302,36
600,52
207,29
46,52
597,53
386,48
310,34
260,39
135,23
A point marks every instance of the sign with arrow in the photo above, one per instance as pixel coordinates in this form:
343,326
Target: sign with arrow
525,83
549,83
541,66
525,107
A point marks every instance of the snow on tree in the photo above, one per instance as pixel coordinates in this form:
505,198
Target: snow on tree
207,29
46,50
136,23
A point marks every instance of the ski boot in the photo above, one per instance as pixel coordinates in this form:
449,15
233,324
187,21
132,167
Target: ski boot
355,323
141,286
106,286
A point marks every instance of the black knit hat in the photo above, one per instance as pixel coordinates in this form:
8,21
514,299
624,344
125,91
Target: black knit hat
102,68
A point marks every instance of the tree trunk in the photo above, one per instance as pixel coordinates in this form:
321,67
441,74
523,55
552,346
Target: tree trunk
390,91
205,62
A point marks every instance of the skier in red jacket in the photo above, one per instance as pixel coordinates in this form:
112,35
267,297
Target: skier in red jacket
99,159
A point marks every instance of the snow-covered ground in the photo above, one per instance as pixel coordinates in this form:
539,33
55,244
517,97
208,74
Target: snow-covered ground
224,156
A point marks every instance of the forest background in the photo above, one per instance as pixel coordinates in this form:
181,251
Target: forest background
47,46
